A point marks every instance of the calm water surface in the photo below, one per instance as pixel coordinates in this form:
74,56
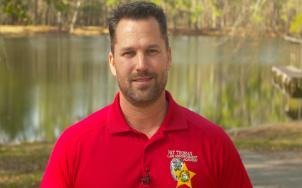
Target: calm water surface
48,82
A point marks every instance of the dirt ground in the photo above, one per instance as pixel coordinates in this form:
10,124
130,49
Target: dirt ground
274,169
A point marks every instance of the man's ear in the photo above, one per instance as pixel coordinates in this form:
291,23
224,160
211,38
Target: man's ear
112,63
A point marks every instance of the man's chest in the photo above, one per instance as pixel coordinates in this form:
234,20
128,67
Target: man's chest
138,164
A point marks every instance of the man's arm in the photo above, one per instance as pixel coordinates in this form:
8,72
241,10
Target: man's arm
233,174
58,170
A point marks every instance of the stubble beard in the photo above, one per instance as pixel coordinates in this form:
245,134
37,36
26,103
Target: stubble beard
146,95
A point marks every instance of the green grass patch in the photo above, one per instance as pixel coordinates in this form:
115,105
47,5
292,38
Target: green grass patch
269,137
22,165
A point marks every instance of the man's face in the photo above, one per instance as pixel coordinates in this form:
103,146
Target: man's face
140,61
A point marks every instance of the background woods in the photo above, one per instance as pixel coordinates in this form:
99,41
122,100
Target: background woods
257,16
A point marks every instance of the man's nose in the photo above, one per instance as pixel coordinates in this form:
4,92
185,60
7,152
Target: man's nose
141,64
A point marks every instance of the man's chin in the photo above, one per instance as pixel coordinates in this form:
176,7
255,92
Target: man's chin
142,97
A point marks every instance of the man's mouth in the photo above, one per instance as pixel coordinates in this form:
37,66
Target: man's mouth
142,79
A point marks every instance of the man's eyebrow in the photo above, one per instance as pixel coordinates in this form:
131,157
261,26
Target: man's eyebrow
131,48
153,46
126,49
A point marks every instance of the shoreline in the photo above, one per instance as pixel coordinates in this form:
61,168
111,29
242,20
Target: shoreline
20,30
25,30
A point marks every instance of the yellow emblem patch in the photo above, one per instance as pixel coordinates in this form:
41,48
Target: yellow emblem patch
181,173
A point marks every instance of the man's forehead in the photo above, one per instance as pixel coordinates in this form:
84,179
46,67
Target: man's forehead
144,32
137,20
127,26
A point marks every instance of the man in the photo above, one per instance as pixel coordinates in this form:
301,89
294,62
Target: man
143,139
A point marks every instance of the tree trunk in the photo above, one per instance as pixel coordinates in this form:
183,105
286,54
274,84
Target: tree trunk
47,15
36,12
59,20
74,17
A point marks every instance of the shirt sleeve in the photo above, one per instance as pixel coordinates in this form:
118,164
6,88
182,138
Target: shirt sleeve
58,172
232,171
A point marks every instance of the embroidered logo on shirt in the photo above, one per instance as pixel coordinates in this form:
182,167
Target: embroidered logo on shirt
186,156
181,173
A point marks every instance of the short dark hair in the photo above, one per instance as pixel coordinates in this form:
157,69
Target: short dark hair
136,11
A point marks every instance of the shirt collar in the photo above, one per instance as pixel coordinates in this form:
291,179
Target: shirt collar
174,119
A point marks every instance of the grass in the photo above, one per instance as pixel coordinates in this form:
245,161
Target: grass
22,165
269,137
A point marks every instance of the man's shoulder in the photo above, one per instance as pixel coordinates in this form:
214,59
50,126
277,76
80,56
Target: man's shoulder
206,132
199,124
94,122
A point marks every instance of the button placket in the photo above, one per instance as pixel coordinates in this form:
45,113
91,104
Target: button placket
144,179
147,181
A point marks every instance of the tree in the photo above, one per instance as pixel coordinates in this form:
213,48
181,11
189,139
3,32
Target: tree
74,17
15,11
296,25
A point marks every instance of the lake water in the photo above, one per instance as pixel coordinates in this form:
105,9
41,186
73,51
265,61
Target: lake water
48,82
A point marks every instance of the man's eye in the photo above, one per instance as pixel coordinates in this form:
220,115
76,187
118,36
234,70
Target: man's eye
152,51
128,54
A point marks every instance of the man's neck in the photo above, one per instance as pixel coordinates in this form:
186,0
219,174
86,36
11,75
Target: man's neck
145,119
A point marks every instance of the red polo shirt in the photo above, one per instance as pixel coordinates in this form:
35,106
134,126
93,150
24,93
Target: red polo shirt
102,151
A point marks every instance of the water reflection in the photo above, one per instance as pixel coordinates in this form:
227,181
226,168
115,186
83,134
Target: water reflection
48,82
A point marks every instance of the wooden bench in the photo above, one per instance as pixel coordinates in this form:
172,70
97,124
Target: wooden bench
289,80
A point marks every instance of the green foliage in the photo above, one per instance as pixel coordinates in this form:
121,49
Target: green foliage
112,3
89,8
296,25
61,5
216,9
262,15
257,12
196,12
15,10
156,1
